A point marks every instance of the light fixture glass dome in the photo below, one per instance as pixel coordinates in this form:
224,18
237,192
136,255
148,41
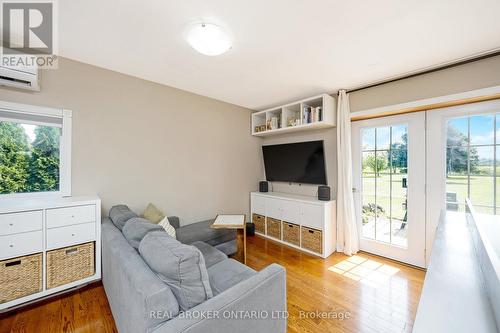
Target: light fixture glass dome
208,39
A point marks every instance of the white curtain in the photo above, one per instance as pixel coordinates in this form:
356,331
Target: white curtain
347,231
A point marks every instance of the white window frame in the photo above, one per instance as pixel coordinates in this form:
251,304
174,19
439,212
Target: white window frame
65,146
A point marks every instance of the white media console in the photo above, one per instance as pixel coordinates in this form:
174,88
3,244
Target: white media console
301,222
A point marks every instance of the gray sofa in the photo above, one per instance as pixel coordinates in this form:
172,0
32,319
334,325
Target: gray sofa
244,300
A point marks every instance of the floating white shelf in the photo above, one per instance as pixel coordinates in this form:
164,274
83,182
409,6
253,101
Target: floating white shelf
307,114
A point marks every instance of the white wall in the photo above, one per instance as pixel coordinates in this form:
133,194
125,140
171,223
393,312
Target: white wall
136,142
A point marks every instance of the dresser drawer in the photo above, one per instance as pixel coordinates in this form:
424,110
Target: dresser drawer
20,222
21,244
59,217
70,235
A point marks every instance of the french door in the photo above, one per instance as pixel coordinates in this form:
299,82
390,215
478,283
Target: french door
463,149
389,163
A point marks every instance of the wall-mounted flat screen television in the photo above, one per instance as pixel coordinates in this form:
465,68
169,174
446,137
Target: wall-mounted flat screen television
302,162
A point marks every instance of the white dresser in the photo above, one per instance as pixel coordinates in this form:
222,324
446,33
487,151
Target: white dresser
43,231
302,222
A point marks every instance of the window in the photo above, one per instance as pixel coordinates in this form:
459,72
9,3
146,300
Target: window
472,153
34,150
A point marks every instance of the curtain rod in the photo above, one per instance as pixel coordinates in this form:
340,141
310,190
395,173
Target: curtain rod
489,54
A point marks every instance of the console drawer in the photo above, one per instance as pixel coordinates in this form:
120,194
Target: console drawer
258,204
260,223
73,234
14,223
274,228
312,239
60,217
291,233
21,244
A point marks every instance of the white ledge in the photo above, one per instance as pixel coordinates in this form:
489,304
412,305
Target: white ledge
453,298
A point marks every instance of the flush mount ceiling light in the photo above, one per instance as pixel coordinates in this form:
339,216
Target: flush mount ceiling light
208,39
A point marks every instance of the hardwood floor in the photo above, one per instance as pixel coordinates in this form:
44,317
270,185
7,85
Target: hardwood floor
377,295
83,311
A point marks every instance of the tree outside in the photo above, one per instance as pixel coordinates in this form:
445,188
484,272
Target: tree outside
375,164
456,153
399,155
27,166
470,163
14,158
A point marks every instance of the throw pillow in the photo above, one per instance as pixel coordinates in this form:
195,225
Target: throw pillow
136,228
153,214
168,227
181,267
120,214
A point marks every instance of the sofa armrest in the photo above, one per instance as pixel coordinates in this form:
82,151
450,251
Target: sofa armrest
257,304
174,221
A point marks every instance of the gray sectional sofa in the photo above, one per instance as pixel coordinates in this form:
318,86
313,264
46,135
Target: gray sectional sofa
141,301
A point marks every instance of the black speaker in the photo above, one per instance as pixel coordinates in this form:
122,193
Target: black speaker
324,193
263,186
250,229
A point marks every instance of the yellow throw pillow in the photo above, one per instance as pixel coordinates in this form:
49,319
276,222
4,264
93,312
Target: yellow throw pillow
153,214
168,227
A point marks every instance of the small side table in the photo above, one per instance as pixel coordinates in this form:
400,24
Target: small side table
235,221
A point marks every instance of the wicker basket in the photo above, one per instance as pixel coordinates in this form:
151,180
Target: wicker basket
312,239
19,277
260,223
291,233
274,228
70,264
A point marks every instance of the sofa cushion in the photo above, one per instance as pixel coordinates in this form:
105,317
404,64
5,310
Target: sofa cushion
153,214
133,290
201,231
120,214
228,248
181,267
228,273
210,253
136,228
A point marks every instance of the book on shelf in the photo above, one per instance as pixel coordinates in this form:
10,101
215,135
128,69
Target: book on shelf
311,114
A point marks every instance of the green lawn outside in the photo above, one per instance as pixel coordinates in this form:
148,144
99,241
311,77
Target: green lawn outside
384,193
481,191
481,187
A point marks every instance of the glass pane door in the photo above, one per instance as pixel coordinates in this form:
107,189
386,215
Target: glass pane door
385,183
389,181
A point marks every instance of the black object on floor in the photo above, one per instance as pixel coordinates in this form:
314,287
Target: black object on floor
250,229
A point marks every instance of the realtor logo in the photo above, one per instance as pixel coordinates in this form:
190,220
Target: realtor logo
28,36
